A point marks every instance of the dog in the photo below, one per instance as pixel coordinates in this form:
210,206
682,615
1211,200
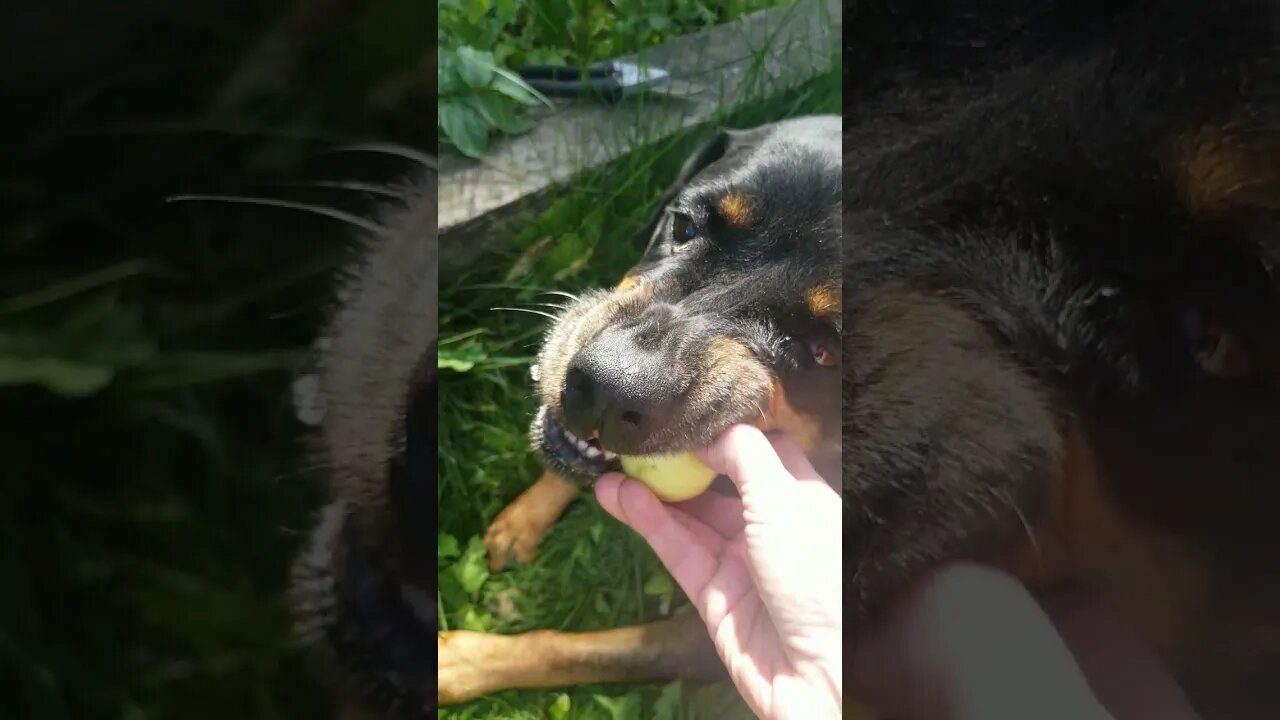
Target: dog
759,344
1061,319
732,314
363,588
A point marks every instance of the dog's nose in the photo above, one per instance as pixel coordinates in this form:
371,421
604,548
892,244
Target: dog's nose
621,388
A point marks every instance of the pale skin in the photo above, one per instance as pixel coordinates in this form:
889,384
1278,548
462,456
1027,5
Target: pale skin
963,642
782,647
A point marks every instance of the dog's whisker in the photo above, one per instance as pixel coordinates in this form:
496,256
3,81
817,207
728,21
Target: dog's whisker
561,293
390,149
527,310
322,210
1026,525
386,191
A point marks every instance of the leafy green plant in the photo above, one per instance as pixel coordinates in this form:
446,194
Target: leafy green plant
478,96
156,490
482,41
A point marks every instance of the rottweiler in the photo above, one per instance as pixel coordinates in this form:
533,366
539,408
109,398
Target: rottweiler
1061,316
732,314
364,587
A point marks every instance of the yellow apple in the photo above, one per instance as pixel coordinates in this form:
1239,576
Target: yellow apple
673,477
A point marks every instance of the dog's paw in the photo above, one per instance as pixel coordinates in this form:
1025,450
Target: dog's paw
513,537
462,666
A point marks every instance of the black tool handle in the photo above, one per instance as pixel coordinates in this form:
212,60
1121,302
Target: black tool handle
607,88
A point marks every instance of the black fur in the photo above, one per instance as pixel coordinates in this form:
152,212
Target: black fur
411,476
374,629
364,589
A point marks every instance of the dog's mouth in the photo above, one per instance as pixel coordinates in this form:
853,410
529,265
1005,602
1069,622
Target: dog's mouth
620,376
580,460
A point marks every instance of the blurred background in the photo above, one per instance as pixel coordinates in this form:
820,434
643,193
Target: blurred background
154,489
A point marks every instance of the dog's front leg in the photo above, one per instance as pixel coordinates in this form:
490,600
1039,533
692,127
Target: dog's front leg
514,535
473,664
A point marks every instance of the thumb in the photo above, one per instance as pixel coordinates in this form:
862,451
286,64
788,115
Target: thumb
745,455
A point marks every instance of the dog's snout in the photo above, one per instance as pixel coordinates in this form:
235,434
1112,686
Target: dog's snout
580,398
624,385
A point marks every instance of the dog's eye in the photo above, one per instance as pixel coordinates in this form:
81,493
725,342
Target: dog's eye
1216,350
683,228
822,354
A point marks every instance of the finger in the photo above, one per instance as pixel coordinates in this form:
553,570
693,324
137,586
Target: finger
967,642
715,517
606,489
689,560
794,459
744,454
706,534
720,512
1124,670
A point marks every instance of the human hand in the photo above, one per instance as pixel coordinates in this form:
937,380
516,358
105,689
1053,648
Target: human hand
967,642
763,569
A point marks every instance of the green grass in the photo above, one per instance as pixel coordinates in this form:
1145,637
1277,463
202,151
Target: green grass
482,41
592,573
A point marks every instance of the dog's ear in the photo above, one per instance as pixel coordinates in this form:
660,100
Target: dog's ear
721,144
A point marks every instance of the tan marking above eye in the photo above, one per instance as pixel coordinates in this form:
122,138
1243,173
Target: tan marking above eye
628,282
734,208
1220,166
823,300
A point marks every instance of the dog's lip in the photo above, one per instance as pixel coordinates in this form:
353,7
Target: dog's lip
586,456
578,454
589,447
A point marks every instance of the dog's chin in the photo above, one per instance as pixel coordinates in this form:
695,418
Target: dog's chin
576,460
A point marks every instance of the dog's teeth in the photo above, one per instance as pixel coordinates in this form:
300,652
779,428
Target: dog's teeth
608,455
592,452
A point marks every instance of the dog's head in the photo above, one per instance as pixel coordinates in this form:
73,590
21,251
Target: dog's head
1062,298
731,315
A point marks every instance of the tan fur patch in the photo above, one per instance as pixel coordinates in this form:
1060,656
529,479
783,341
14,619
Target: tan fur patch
724,356
823,300
472,664
734,208
628,282
729,365
1222,166
1160,584
804,430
